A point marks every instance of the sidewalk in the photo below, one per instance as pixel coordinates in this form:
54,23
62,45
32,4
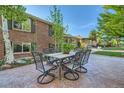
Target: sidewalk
95,49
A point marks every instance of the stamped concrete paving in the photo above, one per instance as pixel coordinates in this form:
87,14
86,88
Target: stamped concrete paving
103,71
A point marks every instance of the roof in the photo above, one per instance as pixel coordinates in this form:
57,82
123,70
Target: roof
39,19
80,37
69,35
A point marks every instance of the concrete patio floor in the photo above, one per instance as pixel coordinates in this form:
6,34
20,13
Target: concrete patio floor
103,71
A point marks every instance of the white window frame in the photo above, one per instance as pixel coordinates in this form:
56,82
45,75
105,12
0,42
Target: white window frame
22,52
26,44
22,27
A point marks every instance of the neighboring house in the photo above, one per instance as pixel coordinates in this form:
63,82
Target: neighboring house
34,34
70,39
76,40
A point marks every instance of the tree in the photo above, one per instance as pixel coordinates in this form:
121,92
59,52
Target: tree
93,36
111,22
56,18
10,12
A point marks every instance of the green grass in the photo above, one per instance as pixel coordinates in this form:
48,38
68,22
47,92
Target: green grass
114,54
113,48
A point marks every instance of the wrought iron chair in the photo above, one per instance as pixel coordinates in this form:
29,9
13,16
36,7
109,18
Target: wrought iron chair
83,60
70,68
46,51
51,60
43,67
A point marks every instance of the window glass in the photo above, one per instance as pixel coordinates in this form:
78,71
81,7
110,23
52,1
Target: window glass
17,47
24,26
50,32
27,25
26,47
17,25
51,45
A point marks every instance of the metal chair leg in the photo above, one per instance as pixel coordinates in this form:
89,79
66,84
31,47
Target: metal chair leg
81,69
75,75
43,76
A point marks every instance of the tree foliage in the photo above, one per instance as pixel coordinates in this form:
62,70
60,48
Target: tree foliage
14,12
93,35
111,21
56,18
10,12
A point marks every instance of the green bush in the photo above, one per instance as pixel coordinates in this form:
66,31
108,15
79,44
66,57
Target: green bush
28,61
67,48
2,62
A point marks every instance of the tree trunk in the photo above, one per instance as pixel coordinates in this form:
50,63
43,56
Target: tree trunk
55,44
9,57
117,39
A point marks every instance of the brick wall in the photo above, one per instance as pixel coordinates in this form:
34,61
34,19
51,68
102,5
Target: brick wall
41,37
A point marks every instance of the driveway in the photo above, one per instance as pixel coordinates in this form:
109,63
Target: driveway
103,71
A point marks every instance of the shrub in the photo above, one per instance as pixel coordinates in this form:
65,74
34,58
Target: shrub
28,61
67,48
2,62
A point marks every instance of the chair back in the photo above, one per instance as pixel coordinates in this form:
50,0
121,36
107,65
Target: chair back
38,59
50,50
77,59
46,51
78,56
86,56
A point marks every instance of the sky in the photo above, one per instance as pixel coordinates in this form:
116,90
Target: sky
80,19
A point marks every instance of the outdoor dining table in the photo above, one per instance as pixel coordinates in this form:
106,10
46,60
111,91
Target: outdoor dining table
60,56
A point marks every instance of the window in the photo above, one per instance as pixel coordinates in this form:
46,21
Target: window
51,45
17,25
24,26
66,40
24,47
17,47
50,32
27,25
27,47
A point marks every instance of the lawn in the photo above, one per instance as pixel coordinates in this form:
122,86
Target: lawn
113,48
114,54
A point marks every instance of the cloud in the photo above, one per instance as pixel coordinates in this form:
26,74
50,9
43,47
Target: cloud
88,25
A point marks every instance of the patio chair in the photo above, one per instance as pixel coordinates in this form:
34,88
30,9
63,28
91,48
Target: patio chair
46,51
43,67
83,60
51,60
70,68
50,50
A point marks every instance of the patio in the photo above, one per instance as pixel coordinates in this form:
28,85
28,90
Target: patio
103,71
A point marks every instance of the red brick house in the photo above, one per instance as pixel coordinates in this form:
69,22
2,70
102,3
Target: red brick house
34,34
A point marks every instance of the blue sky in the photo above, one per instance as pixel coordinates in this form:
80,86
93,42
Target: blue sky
81,19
